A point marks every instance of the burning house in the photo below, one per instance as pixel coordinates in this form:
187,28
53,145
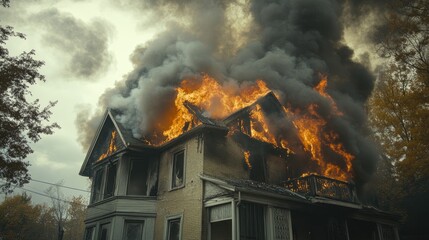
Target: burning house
221,164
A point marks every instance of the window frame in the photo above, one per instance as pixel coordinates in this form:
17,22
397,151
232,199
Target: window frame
100,228
104,170
93,233
140,221
168,219
172,168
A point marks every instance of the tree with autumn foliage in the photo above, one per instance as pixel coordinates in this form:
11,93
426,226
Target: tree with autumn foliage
21,121
75,226
399,113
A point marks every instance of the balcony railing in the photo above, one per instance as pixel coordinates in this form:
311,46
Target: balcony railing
314,185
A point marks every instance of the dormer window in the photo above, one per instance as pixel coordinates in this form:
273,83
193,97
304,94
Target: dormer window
178,170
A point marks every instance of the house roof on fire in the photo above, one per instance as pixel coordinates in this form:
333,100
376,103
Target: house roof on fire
123,138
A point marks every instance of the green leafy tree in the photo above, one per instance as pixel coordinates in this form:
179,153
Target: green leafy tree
21,121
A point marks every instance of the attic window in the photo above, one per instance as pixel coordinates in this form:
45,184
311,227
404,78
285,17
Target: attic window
177,178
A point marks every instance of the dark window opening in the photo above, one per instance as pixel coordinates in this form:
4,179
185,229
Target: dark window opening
97,186
133,230
178,169
221,230
173,229
388,232
104,232
143,178
257,172
111,180
318,226
362,230
89,233
252,221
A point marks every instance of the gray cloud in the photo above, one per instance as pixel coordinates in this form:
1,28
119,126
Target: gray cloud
85,45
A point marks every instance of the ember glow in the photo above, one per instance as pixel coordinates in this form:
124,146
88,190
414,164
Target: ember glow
216,102
111,148
247,159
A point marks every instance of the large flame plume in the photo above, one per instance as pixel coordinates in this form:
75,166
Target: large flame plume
218,101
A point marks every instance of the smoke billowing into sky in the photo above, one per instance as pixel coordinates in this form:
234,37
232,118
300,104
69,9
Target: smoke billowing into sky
88,46
287,44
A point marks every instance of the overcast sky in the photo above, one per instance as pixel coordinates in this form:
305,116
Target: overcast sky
86,47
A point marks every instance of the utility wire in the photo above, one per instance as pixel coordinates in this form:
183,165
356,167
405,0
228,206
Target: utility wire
59,185
58,199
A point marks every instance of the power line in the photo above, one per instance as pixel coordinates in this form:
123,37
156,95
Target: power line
59,185
58,199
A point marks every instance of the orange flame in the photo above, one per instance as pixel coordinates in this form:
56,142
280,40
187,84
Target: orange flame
112,147
218,101
312,134
247,159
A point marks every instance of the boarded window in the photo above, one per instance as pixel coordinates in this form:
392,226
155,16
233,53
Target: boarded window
104,232
89,233
252,221
178,169
133,230
110,180
97,186
173,229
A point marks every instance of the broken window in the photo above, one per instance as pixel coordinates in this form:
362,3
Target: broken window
173,229
252,221
142,178
104,232
110,180
221,222
133,230
178,169
97,186
89,233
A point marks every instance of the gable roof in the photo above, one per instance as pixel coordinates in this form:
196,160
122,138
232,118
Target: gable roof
108,132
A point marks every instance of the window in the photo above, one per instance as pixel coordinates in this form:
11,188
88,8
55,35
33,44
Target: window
111,180
104,232
173,229
221,222
104,182
178,170
133,230
252,221
89,233
143,178
97,186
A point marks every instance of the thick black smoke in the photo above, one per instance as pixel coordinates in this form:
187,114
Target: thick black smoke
285,43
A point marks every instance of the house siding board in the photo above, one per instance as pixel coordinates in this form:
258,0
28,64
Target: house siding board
186,201
141,206
212,190
224,158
